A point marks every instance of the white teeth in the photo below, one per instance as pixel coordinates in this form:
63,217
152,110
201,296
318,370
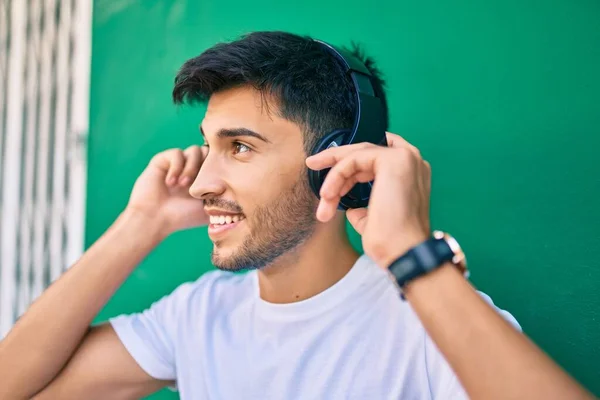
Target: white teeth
225,219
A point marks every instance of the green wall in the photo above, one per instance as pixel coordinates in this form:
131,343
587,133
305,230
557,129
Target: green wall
501,96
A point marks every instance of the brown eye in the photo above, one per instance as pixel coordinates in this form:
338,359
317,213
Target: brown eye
239,148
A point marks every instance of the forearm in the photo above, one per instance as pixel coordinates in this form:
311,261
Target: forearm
45,337
491,359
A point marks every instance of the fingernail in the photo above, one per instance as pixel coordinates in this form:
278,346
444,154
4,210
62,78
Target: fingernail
184,181
322,211
171,180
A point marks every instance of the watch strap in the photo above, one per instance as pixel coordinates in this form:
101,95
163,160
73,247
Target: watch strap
420,260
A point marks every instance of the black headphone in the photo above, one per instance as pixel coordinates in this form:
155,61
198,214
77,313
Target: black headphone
370,124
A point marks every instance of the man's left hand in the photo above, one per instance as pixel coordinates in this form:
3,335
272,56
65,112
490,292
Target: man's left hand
397,217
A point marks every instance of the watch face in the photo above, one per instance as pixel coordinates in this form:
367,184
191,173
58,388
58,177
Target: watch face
459,255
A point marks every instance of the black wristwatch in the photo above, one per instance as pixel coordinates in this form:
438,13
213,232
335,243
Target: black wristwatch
426,257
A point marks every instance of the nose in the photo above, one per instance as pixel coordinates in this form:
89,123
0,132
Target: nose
208,183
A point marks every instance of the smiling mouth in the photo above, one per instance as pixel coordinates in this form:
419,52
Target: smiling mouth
223,224
226,219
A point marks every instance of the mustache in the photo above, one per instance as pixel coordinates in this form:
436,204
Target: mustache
223,204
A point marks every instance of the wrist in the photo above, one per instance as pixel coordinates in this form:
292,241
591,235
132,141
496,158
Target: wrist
394,248
427,256
152,227
446,276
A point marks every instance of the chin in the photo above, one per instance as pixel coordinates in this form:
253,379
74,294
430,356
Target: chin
224,258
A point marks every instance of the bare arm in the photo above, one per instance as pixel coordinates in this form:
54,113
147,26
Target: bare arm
54,337
47,335
101,369
491,359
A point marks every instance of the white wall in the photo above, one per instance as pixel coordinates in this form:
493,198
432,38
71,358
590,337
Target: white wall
44,101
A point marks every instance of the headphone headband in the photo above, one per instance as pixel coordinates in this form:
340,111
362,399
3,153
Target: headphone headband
370,121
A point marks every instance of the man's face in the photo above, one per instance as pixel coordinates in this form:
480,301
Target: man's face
253,181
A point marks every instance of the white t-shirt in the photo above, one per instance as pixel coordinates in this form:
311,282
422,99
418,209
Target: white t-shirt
356,340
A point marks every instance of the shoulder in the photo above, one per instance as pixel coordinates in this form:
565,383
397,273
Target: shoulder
154,335
383,283
213,288
402,319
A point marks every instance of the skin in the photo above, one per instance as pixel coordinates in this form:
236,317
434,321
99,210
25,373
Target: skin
53,353
280,217
490,358
281,210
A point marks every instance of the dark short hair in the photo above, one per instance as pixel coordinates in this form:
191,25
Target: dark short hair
307,82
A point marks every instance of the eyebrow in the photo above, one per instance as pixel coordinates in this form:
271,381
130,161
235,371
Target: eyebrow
236,132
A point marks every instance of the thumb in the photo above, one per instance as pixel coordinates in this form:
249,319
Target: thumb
357,218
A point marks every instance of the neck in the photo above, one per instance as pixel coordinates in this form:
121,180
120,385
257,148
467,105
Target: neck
311,268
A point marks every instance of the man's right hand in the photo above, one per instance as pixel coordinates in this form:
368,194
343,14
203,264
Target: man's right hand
162,190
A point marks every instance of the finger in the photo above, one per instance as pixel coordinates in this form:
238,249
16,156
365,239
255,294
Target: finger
326,209
329,157
328,205
427,176
176,163
358,219
360,177
396,141
193,161
170,162
359,164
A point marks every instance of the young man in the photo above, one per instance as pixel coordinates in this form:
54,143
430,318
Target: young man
312,319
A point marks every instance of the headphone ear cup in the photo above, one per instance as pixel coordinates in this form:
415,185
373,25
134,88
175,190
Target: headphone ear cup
332,139
358,196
